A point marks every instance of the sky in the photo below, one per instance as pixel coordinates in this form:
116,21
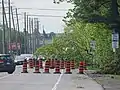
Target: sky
51,24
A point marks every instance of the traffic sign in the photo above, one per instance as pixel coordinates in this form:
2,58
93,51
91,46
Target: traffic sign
115,37
115,44
92,44
115,40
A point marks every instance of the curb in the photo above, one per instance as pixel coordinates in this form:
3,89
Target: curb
94,80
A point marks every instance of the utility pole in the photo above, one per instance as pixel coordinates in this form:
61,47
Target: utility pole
43,36
18,31
114,8
9,26
6,27
3,9
25,50
30,34
27,40
6,19
35,25
38,39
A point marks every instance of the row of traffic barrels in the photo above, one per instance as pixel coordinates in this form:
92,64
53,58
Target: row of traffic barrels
53,64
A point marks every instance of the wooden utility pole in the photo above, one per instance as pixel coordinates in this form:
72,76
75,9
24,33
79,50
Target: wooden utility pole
114,9
15,31
30,29
3,9
9,25
6,19
18,31
27,40
43,36
25,33
32,36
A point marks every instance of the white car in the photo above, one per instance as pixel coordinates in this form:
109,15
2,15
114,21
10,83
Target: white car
27,56
19,60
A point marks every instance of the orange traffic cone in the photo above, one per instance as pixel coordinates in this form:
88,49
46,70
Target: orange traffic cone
46,69
37,67
57,67
24,67
81,68
68,69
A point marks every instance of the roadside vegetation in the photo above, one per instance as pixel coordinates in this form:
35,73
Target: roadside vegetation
74,43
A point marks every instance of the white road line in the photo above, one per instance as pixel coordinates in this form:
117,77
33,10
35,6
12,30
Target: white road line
5,76
58,81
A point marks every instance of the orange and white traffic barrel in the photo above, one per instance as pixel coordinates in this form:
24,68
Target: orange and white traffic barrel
46,69
81,68
62,64
57,67
30,63
25,66
40,64
52,64
72,64
68,69
37,67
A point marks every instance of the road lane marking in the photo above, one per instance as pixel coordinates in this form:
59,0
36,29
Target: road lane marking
58,81
5,76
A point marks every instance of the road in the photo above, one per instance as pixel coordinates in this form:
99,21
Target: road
32,81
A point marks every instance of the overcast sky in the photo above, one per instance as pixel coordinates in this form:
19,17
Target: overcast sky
51,24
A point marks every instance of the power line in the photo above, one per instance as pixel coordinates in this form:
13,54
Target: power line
44,15
40,15
45,9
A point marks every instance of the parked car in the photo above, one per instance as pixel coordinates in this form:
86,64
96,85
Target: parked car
19,60
27,56
7,63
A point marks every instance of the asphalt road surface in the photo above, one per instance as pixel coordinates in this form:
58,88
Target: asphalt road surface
34,81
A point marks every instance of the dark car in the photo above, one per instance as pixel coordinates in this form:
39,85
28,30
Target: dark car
7,63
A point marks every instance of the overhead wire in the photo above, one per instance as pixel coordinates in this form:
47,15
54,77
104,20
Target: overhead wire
45,9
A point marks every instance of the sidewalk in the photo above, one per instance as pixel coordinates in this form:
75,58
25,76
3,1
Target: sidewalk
76,81
109,82
84,82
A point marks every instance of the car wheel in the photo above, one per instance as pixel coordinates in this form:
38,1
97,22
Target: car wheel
10,72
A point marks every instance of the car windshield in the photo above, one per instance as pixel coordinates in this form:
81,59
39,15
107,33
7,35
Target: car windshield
5,57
